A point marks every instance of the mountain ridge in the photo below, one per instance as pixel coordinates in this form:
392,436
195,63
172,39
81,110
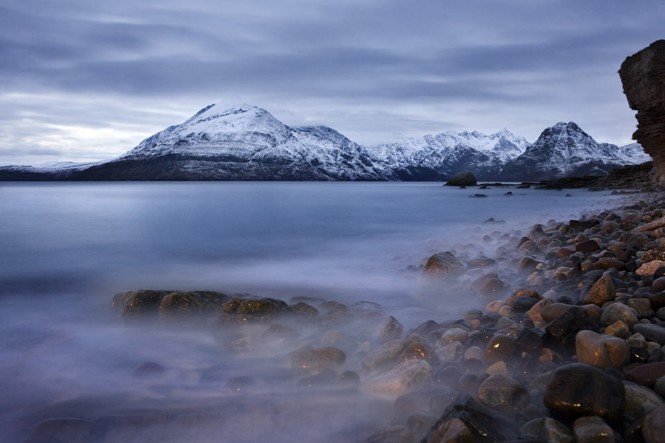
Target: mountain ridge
246,142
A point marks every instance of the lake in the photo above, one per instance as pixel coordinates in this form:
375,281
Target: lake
67,248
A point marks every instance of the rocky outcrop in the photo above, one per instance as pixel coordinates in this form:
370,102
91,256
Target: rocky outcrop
643,78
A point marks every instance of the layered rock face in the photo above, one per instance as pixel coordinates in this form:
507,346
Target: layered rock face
643,78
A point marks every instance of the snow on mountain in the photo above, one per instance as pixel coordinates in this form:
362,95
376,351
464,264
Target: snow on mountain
245,142
451,152
565,149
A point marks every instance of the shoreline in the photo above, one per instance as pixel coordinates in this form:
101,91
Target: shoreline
500,373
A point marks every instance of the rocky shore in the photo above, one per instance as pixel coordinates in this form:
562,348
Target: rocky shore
568,347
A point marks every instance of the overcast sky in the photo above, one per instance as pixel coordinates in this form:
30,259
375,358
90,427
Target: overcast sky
86,80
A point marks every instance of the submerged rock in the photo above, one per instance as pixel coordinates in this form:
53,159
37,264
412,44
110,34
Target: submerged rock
241,310
443,264
579,390
309,359
400,379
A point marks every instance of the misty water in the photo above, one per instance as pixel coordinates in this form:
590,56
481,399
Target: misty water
68,248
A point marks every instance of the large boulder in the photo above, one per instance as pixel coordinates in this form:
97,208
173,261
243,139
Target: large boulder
643,78
462,179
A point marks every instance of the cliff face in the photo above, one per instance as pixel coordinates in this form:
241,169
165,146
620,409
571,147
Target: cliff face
643,78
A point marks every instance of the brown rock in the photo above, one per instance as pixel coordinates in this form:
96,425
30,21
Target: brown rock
653,428
649,268
643,78
443,264
587,246
601,292
646,374
600,350
592,430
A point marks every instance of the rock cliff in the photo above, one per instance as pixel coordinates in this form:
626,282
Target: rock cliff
643,78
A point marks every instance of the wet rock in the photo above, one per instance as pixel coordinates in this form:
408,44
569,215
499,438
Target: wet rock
649,269
651,332
399,380
462,179
587,247
500,347
535,313
601,292
185,304
453,335
451,352
523,304
528,264
489,285
484,423
443,264
502,392
453,430
646,374
605,263
546,430
309,359
390,329
658,284
653,427
279,332
148,369
592,430
601,350
139,303
304,310
385,355
640,401
579,390
618,329
618,311
563,328
417,348
641,305
243,310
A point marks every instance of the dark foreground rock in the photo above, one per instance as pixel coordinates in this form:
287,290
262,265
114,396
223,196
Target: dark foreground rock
462,179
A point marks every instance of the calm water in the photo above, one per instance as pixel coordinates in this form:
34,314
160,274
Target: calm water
67,248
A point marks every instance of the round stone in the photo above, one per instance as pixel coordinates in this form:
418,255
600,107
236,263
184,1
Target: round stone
502,392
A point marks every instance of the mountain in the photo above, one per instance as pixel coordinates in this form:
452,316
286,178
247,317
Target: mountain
448,153
246,142
566,150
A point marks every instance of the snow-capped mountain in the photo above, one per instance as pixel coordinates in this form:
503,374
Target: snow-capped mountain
450,152
565,149
246,142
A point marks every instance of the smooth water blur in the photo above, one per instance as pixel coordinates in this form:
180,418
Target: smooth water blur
68,247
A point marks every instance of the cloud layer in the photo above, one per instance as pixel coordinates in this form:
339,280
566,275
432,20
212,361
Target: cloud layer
87,80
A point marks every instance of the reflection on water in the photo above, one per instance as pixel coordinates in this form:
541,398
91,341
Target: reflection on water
67,248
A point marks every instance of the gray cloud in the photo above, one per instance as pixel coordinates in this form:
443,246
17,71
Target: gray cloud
375,70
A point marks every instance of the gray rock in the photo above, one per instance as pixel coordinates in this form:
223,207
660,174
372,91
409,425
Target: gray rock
502,392
592,430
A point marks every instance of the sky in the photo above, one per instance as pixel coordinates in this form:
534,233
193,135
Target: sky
85,80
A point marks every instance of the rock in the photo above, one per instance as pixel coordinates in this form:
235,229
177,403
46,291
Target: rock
309,359
587,247
304,310
451,352
578,390
485,424
398,380
500,347
443,264
618,329
641,305
646,374
523,304
148,369
535,313
644,86
653,427
547,430
453,335
179,304
502,392
385,355
601,292
417,348
453,430
139,303
390,329
528,264
648,269
568,323
489,285
618,311
651,332
592,430
601,350
658,284
640,401
242,310
462,179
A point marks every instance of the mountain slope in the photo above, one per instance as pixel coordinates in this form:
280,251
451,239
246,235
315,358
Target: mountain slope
566,150
247,143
